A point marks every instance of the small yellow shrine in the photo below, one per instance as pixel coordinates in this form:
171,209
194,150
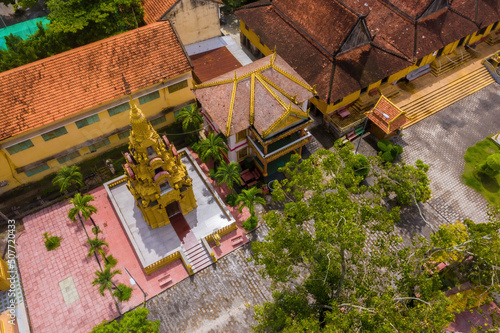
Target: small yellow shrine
155,174
4,275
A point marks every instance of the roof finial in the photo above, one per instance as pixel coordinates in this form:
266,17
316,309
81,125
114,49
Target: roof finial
273,57
314,90
235,76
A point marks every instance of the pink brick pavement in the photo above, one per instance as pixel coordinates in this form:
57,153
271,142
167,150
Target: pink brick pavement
41,271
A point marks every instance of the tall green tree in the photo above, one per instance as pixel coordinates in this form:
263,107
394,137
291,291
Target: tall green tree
248,198
133,321
96,246
228,174
104,279
24,4
338,266
73,23
190,118
66,177
212,148
82,206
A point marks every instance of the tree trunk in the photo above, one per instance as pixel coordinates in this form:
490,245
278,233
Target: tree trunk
114,300
86,233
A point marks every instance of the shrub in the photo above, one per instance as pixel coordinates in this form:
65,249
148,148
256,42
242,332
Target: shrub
250,223
360,165
51,242
96,230
388,151
491,167
124,294
231,199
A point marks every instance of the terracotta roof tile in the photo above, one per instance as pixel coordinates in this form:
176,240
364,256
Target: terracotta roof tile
307,36
51,89
396,116
210,64
215,96
155,9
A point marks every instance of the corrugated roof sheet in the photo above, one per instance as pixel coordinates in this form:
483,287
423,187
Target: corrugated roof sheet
45,91
210,64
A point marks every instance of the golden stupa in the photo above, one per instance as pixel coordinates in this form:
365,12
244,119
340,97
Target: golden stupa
155,174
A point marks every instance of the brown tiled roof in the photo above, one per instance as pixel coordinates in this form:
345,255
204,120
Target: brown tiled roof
210,64
51,89
311,38
215,95
396,116
155,9
488,11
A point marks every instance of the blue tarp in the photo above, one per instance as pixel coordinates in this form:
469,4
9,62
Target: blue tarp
23,29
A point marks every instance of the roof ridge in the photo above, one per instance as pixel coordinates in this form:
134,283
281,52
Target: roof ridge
80,48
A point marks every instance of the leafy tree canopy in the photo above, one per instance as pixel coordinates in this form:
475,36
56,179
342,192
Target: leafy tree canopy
73,23
25,4
134,321
338,266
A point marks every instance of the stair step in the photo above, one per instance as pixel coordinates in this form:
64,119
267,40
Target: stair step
446,94
197,255
439,99
193,248
202,265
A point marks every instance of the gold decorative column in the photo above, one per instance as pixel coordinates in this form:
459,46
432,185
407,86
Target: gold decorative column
155,174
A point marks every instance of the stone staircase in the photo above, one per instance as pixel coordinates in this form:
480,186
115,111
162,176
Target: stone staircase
198,257
493,38
446,95
444,64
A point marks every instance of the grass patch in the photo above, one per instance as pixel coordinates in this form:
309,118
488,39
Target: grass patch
488,186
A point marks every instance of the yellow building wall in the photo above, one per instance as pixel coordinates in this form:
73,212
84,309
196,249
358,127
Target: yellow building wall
195,20
254,39
92,133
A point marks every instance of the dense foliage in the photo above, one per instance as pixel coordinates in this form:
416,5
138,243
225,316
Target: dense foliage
73,23
134,321
338,266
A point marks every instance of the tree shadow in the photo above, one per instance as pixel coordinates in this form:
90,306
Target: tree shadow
490,184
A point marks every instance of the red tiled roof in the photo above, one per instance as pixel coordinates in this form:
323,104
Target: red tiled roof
154,9
210,64
385,107
312,38
51,89
215,96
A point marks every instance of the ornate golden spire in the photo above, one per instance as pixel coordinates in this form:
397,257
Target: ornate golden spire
140,126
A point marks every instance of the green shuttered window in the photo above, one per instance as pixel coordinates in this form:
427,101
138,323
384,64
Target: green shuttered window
118,109
158,121
20,147
124,135
87,121
98,145
149,97
55,133
68,157
36,170
178,86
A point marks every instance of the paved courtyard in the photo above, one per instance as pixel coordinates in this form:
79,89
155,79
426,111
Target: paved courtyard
441,141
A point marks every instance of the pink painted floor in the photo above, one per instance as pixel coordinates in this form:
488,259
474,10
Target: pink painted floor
41,271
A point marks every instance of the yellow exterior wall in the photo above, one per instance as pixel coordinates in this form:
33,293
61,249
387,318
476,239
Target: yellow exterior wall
84,136
254,39
195,20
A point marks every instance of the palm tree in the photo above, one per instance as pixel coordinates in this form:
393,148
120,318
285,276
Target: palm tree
190,117
104,280
96,245
247,198
82,206
211,148
228,174
67,177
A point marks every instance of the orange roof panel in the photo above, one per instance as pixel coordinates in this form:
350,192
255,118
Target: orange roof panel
53,88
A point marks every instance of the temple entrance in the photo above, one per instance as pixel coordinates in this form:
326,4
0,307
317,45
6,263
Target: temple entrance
173,209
